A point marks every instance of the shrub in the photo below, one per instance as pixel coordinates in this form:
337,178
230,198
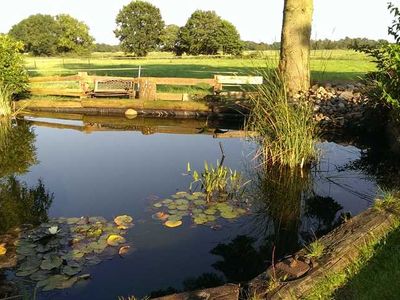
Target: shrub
385,82
12,71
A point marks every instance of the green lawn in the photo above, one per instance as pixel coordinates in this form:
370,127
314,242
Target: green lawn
380,277
336,66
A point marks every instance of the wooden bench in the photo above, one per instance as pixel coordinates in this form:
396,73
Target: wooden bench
222,81
113,88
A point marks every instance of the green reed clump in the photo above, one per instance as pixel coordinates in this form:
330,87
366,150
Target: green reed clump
5,101
219,181
286,129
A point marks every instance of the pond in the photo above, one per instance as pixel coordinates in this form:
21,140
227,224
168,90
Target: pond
107,167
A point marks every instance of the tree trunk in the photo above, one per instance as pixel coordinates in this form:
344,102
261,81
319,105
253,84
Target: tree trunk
295,44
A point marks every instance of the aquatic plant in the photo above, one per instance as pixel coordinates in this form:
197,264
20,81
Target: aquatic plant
389,201
184,204
217,182
286,128
55,254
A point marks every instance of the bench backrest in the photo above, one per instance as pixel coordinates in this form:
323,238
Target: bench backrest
222,79
113,85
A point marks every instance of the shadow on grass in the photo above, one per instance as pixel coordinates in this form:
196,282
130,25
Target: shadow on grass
379,278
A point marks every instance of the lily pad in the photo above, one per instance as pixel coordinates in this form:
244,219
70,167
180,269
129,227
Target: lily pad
71,221
124,220
229,214
199,202
124,250
57,282
115,240
174,218
52,262
40,275
160,216
182,207
167,201
157,205
172,224
71,269
200,220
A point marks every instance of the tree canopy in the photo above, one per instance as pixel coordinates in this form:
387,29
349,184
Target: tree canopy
169,37
139,27
207,33
48,35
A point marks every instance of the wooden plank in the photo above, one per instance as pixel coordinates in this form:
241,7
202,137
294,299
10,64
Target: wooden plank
56,92
54,78
225,292
179,81
170,96
222,79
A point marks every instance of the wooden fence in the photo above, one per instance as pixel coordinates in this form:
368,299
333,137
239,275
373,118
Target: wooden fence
144,88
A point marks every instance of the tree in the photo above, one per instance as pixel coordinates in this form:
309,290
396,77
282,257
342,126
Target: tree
39,33
74,37
206,33
169,38
139,27
48,35
230,39
12,71
295,44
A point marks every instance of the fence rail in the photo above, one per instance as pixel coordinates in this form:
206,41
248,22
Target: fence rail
144,88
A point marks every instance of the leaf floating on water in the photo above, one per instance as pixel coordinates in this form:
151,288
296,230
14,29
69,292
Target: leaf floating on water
157,205
57,282
52,262
115,240
71,269
40,275
124,250
3,249
124,220
71,221
172,224
160,216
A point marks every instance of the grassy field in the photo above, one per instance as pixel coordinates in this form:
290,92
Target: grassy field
333,66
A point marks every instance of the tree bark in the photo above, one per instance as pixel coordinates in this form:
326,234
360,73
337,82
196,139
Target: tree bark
294,61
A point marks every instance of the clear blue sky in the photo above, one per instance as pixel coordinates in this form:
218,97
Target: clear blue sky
257,20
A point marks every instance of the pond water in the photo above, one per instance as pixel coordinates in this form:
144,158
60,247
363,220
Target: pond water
110,167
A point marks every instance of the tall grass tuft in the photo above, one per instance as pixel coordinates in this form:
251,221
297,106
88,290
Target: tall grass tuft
286,128
5,101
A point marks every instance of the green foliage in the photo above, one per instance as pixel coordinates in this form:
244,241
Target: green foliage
286,128
217,182
75,37
5,101
139,27
315,249
169,38
45,35
385,82
12,72
206,33
17,150
101,47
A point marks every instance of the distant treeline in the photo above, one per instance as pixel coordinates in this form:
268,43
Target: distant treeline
325,44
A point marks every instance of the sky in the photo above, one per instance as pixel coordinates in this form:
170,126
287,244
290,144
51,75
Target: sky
256,20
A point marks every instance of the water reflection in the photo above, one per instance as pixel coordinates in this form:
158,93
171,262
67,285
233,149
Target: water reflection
17,150
21,204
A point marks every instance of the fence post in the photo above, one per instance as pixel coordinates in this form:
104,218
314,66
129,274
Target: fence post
217,85
147,89
83,84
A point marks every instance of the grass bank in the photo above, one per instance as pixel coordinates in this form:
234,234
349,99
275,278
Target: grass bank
374,274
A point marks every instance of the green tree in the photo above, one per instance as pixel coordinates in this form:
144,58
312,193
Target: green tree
206,33
139,27
39,33
48,35
169,37
230,39
75,37
12,71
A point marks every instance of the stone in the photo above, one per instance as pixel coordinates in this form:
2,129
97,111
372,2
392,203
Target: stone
131,113
346,95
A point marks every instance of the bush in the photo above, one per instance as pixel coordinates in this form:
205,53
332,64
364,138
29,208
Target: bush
12,71
385,82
